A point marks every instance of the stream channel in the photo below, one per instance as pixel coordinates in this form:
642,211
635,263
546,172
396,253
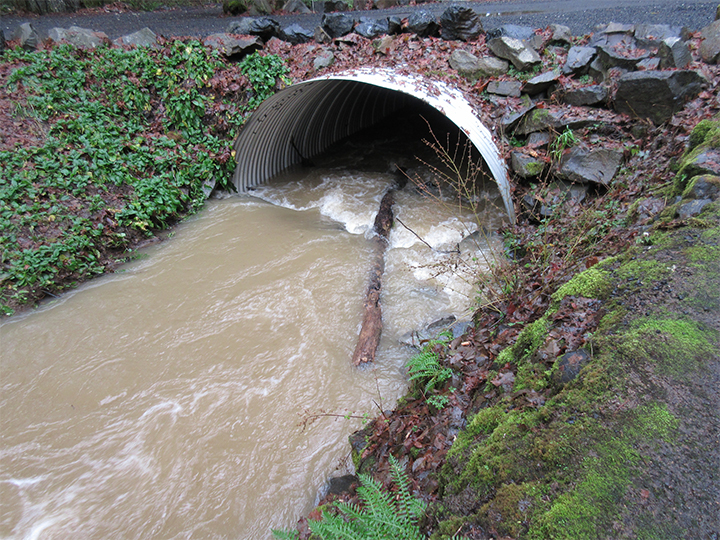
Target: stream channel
166,400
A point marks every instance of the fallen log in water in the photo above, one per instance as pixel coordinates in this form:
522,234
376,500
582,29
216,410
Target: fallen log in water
372,326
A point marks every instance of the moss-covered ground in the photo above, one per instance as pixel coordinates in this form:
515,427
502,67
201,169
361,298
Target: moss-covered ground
628,448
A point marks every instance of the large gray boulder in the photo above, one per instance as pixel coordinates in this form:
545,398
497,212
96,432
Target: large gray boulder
610,57
79,37
469,65
28,36
585,165
674,53
561,34
652,35
491,66
463,62
522,57
710,45
423,23
523,33
579,60
541,83
296,34
586,95
337,24
460,23
372,28
142,38
656,95
324,59
504,88
263,27
230,46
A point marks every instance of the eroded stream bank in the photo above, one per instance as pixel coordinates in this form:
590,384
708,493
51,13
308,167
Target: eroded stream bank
166,400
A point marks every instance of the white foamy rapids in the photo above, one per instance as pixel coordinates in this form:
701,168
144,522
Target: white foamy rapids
349,199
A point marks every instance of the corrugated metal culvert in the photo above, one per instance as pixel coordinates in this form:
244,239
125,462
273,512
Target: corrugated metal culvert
306,118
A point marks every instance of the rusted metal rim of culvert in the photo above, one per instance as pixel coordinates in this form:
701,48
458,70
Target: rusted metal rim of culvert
306,118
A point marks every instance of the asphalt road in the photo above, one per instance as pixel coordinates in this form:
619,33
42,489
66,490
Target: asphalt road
580,15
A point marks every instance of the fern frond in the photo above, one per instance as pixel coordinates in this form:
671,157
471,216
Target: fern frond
410,507
285,535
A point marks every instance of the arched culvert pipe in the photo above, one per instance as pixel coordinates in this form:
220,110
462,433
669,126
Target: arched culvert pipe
303,120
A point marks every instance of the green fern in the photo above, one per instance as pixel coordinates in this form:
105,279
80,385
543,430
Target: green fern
425,367
381,516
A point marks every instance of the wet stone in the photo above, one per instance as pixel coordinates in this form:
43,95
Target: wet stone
423,23
263,27
323,60
710,44
372,28
610,58
490,66
652,35
28,36
587,95
522,33
648,64
579,59
230,46
463,62
460,23
515,51
79,37
296,34
541,83
703,187
538,139
525,165
569,366
674,53
692,208
141,38
504,88
561,34
705,162
337,24
656,95
585,165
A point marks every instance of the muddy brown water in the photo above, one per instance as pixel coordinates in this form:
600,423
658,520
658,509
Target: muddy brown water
165,401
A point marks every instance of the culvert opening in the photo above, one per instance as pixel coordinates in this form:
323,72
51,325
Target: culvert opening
302,121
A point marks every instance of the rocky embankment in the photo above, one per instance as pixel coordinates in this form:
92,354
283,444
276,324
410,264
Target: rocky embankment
583,400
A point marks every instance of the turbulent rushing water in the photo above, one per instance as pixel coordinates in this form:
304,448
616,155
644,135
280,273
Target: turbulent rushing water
165,401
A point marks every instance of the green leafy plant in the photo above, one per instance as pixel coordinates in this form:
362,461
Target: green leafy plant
565,140
381,514
426,371
126,142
